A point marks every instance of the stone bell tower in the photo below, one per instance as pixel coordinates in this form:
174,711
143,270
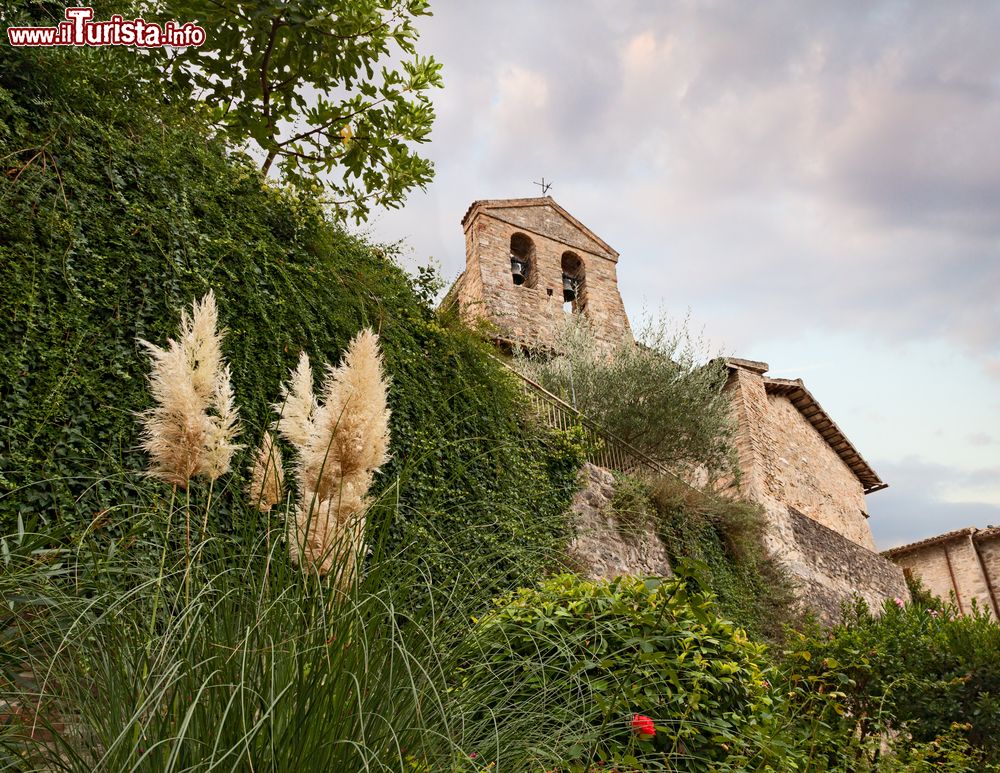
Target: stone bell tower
529,264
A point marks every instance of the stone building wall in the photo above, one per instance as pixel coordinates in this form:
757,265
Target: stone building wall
829,569
788,458
785,461
813,501
749,411
962,565
988,544
826,568
601,546
533,313
802,471
469,286
931,565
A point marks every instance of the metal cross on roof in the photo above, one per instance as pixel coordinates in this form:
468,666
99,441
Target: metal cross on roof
544,186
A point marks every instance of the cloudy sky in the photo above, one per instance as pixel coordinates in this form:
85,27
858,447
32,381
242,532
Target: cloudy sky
818,183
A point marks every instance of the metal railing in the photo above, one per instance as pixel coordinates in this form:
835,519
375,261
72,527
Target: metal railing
606,450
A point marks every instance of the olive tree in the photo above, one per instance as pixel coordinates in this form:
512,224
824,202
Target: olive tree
662,393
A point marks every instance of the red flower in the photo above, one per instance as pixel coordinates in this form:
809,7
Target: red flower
643,725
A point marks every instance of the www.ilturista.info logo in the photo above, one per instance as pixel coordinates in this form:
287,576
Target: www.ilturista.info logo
79,30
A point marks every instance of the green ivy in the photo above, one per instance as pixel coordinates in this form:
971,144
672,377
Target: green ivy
116,210
726,535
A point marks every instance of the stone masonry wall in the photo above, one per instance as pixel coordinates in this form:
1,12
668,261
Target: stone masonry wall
826,568
812,500
801,470
931,565
535,315
749,412
963,566
829,569
785,461
988,544
600,545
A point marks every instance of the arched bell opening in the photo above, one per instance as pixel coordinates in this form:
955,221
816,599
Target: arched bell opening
522,261
574,282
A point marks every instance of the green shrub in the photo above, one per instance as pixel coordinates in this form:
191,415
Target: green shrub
630,504
656,393
921,669
950,753
580,658
727,536
117,210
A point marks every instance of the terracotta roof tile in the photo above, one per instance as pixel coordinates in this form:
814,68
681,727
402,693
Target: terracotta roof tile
948,536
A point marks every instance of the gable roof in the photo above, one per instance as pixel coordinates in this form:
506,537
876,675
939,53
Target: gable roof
977,534
809,407
511,211
800,397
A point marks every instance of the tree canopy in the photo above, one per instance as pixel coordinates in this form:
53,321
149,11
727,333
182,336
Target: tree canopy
329,90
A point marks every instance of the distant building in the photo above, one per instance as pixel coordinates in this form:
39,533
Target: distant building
530,264
963,565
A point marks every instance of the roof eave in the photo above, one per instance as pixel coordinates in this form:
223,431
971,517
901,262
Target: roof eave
810,408
948,536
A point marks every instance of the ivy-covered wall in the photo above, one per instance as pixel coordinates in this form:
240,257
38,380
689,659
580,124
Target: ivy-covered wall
117,211
725,537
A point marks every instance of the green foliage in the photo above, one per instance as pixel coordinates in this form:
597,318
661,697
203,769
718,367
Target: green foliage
727,536
917,668
630,503
233,660
117,211
658,395
587,656
334,90
950,753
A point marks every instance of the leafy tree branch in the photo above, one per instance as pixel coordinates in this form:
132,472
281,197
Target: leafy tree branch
334,91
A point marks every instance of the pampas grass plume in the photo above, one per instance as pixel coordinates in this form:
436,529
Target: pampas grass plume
341,443
298,405
267,475
190,429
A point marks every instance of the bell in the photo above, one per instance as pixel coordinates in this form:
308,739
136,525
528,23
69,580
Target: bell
518,269
569,288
